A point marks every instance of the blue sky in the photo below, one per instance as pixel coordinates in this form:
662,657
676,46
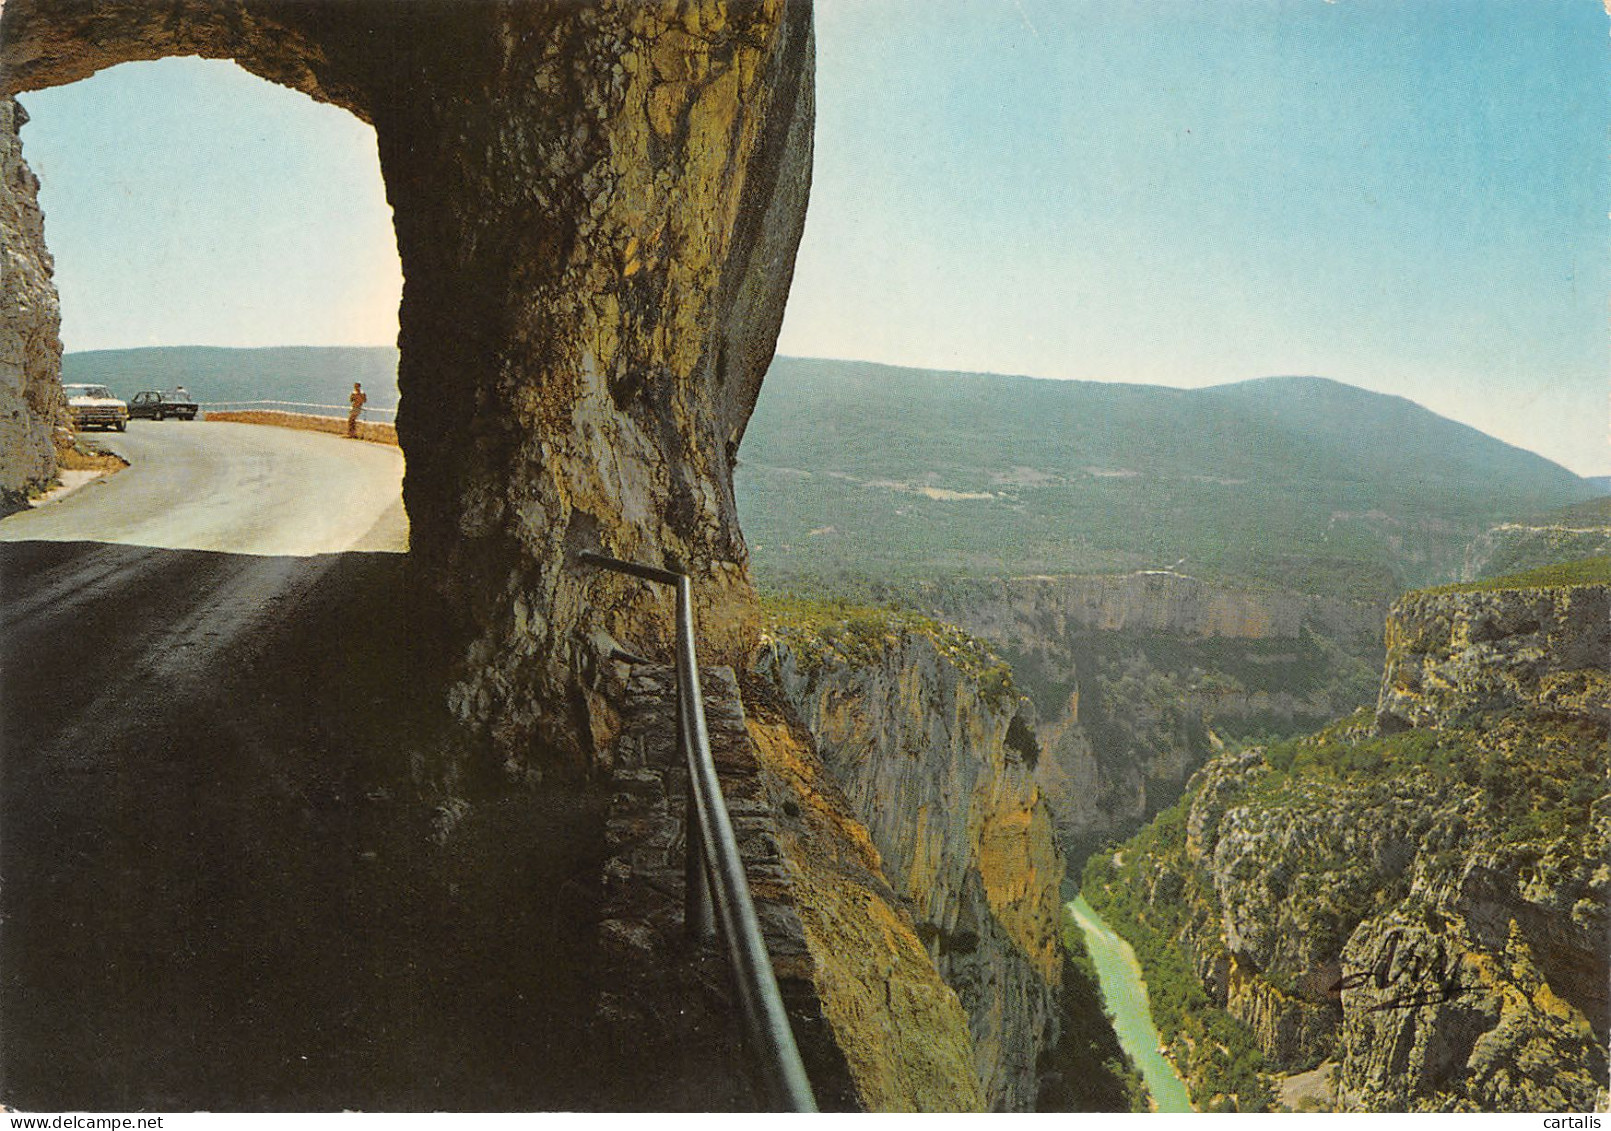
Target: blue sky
1408,195
190,203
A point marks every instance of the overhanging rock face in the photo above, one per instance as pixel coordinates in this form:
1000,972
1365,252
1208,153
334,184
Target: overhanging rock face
597,208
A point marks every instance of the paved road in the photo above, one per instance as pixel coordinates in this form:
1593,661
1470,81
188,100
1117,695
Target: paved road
238,488
218,884
260,502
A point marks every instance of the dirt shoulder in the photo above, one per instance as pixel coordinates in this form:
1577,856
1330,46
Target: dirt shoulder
375,433
79,462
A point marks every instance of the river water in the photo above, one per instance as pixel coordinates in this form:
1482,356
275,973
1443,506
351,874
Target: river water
1125,995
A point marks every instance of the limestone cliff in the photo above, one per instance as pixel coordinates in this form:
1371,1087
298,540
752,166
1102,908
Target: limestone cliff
1421,899
1452,654
31,404
925,734
1041,610
877,1028
597,208
1130,672
901,1029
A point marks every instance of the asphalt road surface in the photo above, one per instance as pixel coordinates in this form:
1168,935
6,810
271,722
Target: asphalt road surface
228,879
237,488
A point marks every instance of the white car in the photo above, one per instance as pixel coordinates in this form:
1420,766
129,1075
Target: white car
94,406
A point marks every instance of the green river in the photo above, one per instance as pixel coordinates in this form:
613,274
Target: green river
1125,995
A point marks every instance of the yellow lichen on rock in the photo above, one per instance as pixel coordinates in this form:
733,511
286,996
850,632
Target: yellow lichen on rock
902,1030
1021,870
912,717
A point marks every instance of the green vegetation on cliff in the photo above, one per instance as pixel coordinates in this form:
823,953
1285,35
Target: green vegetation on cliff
1417,894
1131,682
1584,571
1535,775
820,630
1565,535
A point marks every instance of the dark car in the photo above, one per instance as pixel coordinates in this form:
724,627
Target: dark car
155,405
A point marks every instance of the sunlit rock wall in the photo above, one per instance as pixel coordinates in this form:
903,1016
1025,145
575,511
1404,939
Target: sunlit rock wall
922,729
877,1028
1452,654
31,405
902,1030
1042,611
586,323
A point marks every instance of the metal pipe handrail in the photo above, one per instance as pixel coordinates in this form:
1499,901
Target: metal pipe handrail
721,880
293,404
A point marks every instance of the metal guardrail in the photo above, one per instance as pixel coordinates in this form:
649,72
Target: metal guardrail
340,408
715,871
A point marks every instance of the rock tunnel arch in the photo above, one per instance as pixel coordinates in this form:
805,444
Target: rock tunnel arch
597,209
166,230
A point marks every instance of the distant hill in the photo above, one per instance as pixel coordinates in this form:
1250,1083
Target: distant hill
852,471
311,374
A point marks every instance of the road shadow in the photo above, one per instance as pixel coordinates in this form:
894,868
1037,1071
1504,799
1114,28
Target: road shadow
238,882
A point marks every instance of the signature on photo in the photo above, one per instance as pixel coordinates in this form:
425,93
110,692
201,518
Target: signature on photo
1418,977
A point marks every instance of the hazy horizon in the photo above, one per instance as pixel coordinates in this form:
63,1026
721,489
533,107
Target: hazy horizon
1405,198
387,396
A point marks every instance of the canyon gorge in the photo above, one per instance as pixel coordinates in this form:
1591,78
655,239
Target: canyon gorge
1414,898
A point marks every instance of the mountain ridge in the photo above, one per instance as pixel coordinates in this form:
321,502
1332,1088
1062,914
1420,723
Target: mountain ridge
1235,392
860,474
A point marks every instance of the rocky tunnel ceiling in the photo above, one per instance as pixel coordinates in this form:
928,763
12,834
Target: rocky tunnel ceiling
597,209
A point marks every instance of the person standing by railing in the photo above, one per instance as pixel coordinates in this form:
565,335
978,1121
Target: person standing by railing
358,401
